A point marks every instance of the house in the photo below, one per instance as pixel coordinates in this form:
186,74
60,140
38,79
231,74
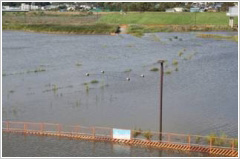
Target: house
233,12
178,9
25,7
85,7
71,8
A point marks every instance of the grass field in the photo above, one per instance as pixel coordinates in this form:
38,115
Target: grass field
56,22
218,18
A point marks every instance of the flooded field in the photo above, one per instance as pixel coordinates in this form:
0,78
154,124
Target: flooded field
44,80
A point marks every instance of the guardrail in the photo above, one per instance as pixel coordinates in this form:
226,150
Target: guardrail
186,142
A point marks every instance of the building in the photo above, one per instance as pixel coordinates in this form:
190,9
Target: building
25,7
233,12
178,9
170,10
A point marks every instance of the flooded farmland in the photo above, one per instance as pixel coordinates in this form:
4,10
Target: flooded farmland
44,80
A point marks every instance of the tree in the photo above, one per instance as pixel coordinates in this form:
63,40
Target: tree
62,7
226,5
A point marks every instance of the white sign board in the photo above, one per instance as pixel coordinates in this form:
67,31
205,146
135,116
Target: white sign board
121,134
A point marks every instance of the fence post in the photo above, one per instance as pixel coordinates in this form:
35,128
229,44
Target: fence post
210,146
25,127
59,129
111,133
232,147
41,127
131,134
7,125
93,132
169,138
189,142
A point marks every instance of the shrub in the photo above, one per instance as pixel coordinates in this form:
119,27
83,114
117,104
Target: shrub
136,133
148,135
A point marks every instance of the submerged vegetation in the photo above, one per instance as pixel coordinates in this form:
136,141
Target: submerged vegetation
94,81
219,37
168,72
128,70
154,69
175,62
136,132
78,64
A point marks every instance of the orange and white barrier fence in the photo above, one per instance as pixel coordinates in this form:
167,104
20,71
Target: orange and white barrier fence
214,145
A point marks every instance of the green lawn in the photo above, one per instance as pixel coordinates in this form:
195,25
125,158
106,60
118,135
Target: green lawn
218,18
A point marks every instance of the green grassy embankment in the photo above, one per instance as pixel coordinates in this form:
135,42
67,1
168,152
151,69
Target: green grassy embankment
184,18
139,23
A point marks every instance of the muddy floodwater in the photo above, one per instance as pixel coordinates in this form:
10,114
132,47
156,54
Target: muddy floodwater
44,80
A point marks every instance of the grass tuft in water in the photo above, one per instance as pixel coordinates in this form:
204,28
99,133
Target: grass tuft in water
154,69
39,70
86,88
94,81
128,70
130,45
175,62
54,88
155,38
11,91
180,53
168,72
78,64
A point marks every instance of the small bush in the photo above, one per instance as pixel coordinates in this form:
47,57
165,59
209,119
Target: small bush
197,140
136,133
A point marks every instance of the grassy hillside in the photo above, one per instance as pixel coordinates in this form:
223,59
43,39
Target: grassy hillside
218,18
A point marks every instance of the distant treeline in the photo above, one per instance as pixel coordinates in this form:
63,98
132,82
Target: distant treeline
124,6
